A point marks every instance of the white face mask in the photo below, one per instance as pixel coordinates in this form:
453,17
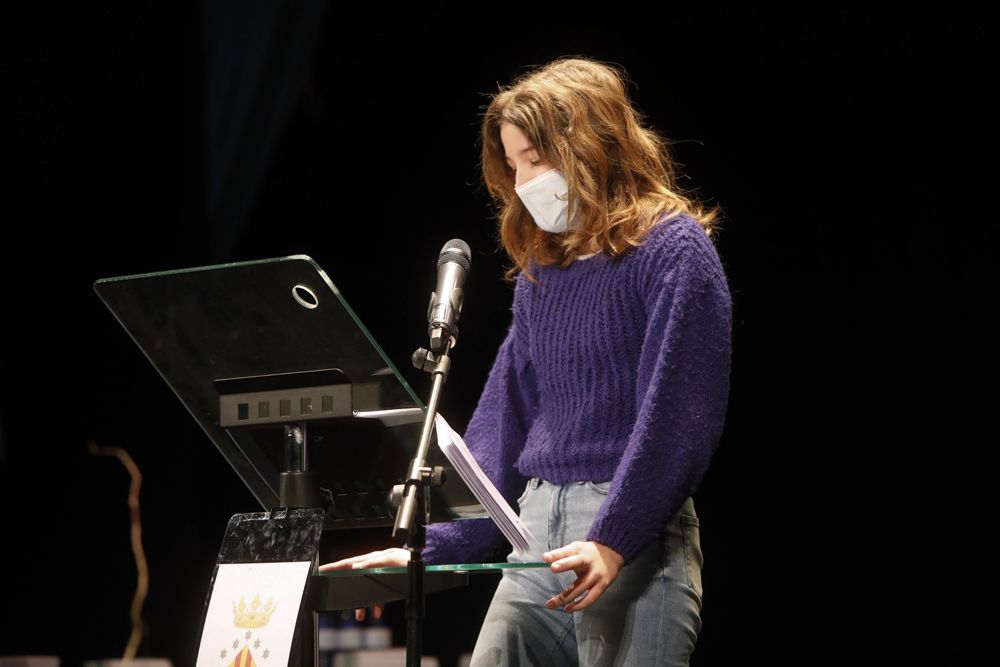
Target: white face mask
546,197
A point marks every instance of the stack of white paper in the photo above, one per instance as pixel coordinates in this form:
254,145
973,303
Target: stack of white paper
500,511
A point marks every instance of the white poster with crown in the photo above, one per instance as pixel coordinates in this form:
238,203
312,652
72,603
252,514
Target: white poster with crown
252,614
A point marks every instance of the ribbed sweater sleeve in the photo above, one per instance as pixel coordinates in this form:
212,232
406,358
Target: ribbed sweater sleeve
495,436
681,392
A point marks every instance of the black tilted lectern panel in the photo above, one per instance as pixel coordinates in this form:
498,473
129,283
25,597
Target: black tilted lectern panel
251,347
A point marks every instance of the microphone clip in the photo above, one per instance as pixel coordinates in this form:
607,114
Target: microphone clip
442,320
425,360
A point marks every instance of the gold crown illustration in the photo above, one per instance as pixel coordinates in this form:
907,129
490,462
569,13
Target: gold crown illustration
254,616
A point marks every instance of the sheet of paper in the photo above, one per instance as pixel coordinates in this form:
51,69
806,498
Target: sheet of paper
503,515
252,613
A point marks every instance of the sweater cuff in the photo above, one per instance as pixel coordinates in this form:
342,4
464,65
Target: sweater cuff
620,538
461,541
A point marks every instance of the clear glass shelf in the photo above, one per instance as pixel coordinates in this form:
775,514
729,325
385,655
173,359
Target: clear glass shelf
451,567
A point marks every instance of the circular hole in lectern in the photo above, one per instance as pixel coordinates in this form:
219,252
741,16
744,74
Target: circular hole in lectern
305,296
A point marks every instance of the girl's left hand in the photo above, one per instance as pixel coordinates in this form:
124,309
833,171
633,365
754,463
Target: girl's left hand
596,567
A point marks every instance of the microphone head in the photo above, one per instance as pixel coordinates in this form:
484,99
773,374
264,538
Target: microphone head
458,251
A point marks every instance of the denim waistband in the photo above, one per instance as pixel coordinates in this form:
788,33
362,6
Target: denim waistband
686,509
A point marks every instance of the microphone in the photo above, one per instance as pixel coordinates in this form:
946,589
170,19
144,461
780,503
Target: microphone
445,306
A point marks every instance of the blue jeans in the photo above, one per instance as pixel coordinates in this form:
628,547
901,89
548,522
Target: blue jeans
650,615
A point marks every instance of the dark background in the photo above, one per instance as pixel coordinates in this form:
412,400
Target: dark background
843,144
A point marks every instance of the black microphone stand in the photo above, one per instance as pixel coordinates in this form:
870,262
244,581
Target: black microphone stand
413,500
413,497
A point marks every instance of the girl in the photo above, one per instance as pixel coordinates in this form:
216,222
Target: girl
607,397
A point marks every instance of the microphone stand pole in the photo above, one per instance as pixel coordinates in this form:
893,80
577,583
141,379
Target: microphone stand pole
414,503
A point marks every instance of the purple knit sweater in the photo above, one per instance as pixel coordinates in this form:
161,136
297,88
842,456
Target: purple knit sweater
612,369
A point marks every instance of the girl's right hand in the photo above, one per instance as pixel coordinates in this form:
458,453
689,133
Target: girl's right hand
394,557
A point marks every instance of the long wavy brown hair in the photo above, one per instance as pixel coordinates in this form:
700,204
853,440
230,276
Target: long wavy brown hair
577,113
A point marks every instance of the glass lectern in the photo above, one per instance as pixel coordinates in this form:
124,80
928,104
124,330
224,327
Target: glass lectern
296,394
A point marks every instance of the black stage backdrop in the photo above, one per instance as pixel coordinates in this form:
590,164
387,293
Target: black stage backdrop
843,145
